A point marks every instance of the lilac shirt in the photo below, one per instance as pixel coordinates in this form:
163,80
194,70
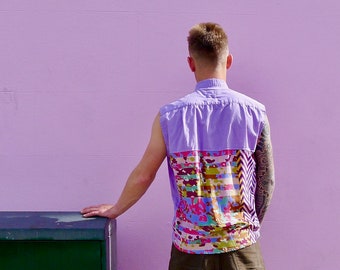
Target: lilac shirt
211,135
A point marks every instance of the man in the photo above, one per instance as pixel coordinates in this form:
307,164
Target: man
218,148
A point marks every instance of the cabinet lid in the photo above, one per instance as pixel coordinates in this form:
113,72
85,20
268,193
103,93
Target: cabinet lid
52,226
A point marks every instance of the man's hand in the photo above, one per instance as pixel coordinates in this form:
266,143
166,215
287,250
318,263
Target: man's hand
102,210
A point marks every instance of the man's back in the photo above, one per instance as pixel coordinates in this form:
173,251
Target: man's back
211,136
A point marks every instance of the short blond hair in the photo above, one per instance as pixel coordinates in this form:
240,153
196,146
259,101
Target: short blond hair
208,41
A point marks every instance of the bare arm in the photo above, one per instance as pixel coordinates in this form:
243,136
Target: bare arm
264,172
139,180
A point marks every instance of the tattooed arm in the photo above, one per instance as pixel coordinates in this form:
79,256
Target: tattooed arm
264,172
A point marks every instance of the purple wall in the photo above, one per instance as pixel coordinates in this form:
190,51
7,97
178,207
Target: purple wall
81,81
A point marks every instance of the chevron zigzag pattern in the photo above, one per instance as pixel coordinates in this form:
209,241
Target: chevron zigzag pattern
246,174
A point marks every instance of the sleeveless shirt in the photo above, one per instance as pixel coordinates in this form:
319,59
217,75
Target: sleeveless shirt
210,136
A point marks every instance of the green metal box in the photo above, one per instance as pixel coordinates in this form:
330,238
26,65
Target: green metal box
56,241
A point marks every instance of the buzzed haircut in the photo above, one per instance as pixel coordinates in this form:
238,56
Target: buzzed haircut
208,42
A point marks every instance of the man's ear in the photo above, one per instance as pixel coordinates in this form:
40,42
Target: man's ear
191,63
229,60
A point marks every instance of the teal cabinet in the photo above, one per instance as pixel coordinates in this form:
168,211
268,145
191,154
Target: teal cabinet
56,240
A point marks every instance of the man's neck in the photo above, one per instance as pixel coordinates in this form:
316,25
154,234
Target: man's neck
201,76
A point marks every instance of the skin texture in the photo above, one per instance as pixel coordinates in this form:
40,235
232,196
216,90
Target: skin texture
139,180
264,172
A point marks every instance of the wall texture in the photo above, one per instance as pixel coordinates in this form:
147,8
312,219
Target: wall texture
82,80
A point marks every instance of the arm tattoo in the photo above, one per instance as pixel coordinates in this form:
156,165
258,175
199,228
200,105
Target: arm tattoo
264,172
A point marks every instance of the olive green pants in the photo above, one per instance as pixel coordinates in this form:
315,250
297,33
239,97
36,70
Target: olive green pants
249,258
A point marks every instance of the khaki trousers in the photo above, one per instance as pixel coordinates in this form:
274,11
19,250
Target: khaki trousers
243,259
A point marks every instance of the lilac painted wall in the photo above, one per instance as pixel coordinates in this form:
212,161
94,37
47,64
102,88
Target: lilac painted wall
80,83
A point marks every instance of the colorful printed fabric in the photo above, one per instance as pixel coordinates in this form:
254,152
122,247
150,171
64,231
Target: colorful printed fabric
214,214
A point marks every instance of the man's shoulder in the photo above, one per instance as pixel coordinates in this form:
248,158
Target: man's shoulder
230,96
179,103
247,100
